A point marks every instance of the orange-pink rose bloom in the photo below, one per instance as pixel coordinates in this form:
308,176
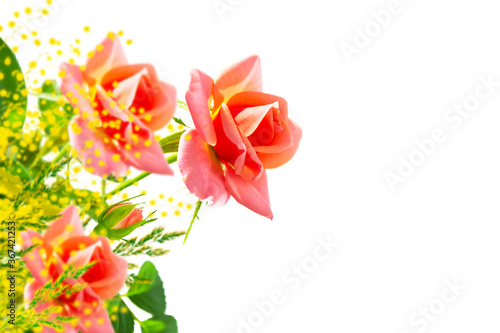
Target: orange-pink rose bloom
65,243
120,105
240,132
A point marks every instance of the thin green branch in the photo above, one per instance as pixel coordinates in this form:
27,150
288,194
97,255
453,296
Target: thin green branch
62,153
171,159
195,215
103,190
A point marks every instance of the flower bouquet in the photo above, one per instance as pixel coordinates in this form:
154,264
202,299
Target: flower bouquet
72,145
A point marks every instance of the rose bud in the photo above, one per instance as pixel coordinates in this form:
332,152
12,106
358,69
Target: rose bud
119,220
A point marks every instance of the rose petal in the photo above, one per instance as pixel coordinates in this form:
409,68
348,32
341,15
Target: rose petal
253,168
77,302
97,322
145,153
243,100
197,98
265,131
95,153
111,275
132,218
126,90
250,118
201,169
160,98
34,260
252,194
67,226
108,275
164,105
274,160
120,73
245,75
282,140
82,256
230,146
137,147
73,84
30,291
233,147
111,106
111,55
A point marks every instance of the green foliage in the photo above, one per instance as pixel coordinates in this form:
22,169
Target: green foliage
143,245
179,121
26,155
195,216
122,232
30,318
56,288
170,144
33,190
38,185
13,93
160,324
113,215
55,111
120,316
23,252
150,297
10,185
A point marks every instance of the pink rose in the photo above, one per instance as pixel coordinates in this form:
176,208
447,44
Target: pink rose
119,106
240,132
63,244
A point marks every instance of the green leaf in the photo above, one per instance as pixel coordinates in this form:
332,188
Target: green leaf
13,92
123,320
180,122
55,112
170,144
148,296
116,215
122,232
105,211
18,169
160,324
50,96
28,155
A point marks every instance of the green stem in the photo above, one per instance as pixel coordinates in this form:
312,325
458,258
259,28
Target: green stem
43,151
195,214
62,153
67,173
103,190
128,183
53,97
86,221
171,159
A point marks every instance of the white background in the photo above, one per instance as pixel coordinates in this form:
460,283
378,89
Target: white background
397,248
